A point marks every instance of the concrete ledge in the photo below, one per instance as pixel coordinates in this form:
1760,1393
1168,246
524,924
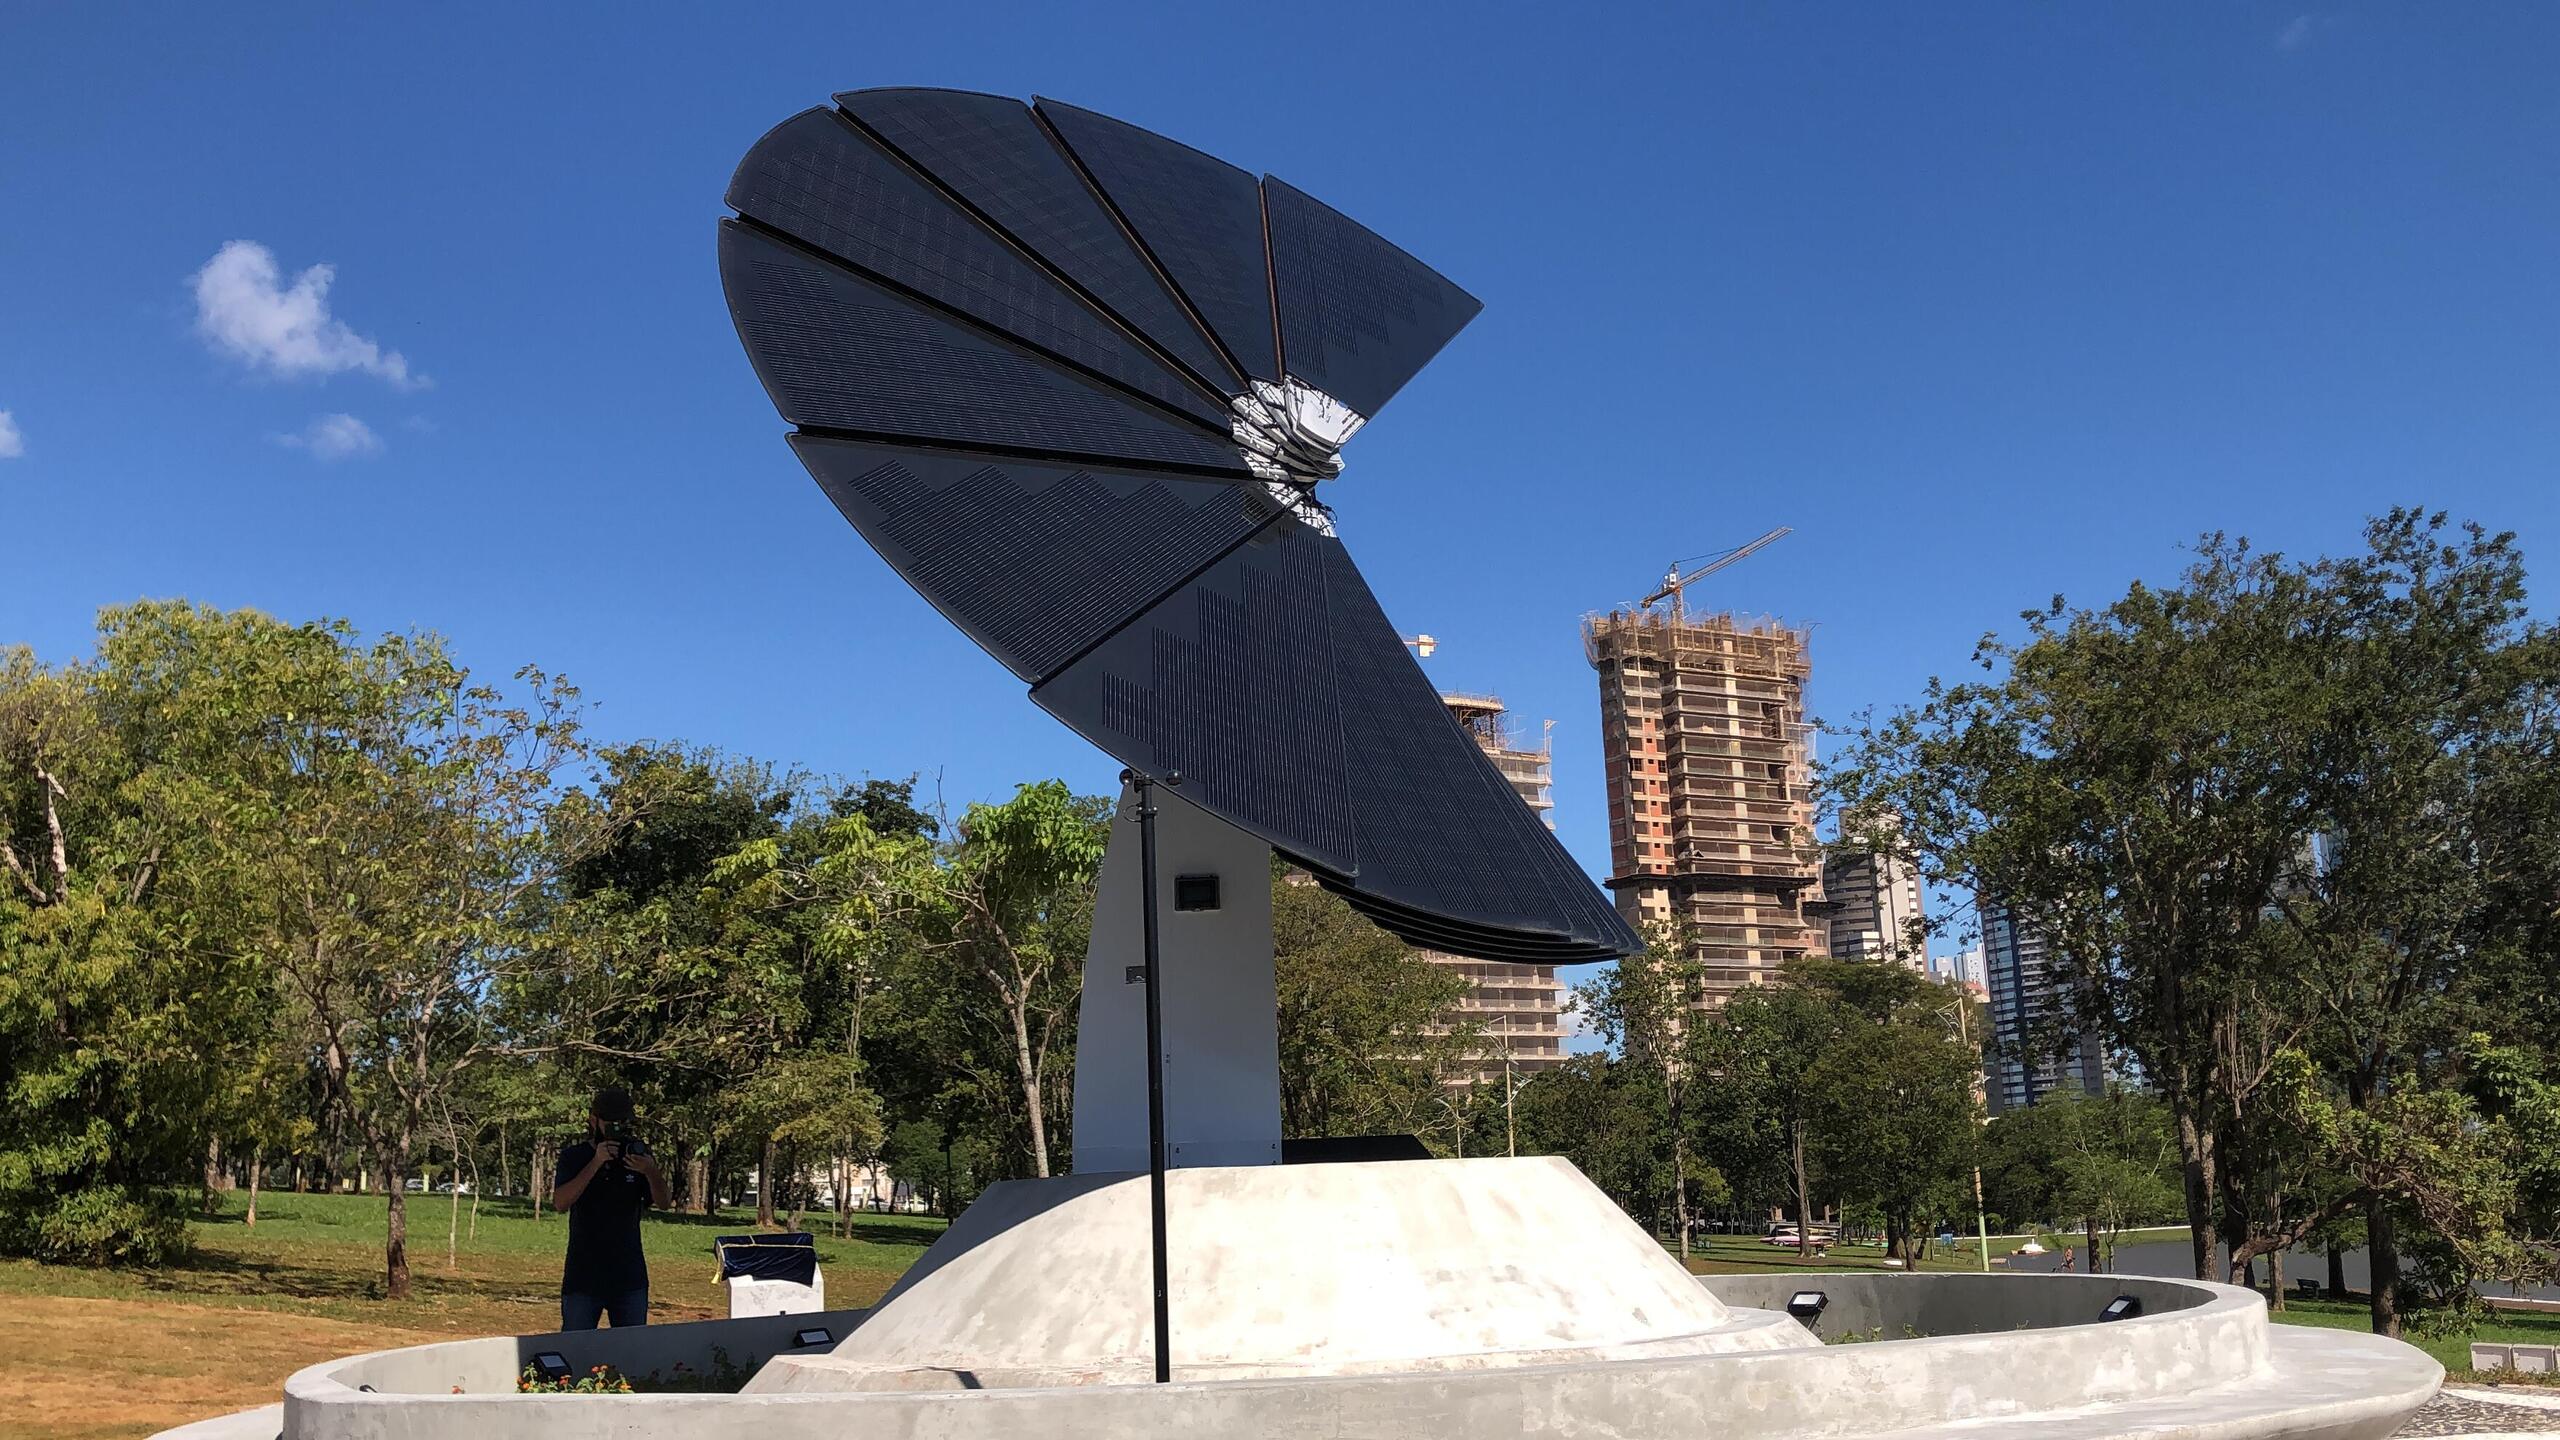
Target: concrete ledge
2200,1364
264,1423
491,1366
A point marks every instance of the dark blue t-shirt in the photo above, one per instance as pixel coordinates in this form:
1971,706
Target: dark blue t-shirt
604,1225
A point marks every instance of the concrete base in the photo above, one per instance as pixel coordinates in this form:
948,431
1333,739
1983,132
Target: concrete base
1298,1270
2005,1357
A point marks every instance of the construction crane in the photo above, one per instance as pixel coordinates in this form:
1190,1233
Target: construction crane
1675,582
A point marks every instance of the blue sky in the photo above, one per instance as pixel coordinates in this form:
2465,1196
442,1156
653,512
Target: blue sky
1988,302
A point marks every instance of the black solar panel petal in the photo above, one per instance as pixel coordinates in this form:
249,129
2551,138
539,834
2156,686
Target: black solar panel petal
1033,561
1277,689
1358,317
840,352
1227,682
1440,830
988,150
816,179
1200,217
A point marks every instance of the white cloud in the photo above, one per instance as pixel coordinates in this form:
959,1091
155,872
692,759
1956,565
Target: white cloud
13,441
335,437
244,311
2297,34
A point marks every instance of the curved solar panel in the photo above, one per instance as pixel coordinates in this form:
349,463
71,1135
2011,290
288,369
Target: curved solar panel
1078,384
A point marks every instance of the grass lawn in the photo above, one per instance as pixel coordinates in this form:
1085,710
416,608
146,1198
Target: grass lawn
97,1354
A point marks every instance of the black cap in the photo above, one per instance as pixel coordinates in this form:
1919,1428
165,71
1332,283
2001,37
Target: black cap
612,1105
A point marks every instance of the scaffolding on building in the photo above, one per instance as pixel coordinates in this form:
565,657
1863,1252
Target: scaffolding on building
1709,755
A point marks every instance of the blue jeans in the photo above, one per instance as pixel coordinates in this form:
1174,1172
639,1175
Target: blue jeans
580,1310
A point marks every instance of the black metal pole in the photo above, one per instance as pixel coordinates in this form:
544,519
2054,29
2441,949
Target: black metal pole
1155,1068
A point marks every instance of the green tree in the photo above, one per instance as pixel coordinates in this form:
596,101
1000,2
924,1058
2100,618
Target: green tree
126,1010
646,901
810,918
1001,925
1646,1006
390,845
2405,911
1763,1051
2107,1162
1605,1115
1364,1027
2277,810
1891,1111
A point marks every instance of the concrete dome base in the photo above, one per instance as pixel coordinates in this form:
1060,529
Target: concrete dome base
1284,1270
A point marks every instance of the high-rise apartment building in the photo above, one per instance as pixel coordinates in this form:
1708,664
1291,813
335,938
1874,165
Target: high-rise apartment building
1710,765
1874,908
2038,1051
1520,1008
1963,967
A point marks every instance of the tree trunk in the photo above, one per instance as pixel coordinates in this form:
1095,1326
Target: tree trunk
2382,1249
506,1163
216,1178
800,1196
2195,1154
2275,1280
698,1182
395,1235
2092,1251
453,1225
1804,1198
1030,1076
257,1164
546,1163
764,1187
1680,1191
2337,1273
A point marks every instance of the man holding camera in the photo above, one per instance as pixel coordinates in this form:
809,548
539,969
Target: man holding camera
604,1182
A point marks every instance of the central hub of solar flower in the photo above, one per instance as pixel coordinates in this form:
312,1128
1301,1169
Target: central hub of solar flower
1292,432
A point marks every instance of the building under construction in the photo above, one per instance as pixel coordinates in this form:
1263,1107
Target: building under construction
1520,1008
1710,767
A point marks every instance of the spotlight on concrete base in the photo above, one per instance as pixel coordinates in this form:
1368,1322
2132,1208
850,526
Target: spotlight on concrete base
1806,1305
2123,1307
552,1366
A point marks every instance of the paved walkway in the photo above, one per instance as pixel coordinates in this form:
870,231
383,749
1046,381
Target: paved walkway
2465,1410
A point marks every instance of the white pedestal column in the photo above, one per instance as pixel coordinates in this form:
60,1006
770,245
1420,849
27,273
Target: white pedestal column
1221,1012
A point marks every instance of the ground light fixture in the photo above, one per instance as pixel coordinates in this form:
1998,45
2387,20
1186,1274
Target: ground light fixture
2123,1307
1807,1306
552,1366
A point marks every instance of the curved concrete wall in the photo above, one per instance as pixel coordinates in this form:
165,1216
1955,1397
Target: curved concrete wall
2200,1361
1906,1306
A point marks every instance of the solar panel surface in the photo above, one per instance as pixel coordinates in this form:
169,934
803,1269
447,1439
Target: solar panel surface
993,327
